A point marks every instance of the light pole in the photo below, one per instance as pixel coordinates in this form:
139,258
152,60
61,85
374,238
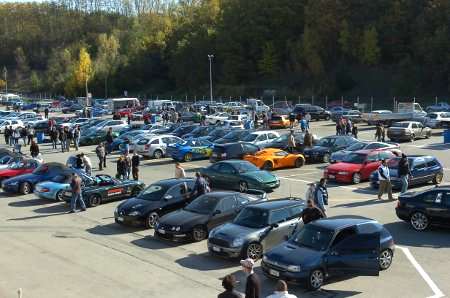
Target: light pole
210,57
5,75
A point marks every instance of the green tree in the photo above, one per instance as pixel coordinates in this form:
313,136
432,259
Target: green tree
370,52
344,39
36,82
310,51
22,67
268,64
108,58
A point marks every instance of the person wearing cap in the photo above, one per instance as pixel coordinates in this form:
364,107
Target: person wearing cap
228,284
281,291
253,285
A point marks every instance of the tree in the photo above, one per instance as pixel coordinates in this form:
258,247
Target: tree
22,67
344,38
83,69
370,52
310,51
268,64
36,82
108,58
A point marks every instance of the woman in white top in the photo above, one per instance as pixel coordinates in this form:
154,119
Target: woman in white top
179,171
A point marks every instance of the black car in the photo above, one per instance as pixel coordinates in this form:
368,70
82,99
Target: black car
426,208
153,202
167,129
103,188
327,145
204,213
182,130
216,134
232,151
72,108
233,136
331,247
199,131
282,141
316,112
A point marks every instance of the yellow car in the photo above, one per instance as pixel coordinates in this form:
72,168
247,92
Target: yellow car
271,158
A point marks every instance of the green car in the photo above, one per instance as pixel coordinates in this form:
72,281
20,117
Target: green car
240,175
95,137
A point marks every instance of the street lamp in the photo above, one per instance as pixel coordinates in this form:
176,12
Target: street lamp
210,57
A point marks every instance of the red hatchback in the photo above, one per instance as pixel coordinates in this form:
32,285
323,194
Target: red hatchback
125,112
357,166
19,168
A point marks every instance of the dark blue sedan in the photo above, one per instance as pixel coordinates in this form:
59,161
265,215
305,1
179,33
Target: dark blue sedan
322,151
423,170
339,246
24,184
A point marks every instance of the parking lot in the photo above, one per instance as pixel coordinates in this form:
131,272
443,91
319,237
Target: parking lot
49,253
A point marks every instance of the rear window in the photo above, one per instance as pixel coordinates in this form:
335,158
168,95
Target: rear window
276,118
219,149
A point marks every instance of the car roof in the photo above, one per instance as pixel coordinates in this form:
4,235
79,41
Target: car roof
233,161
278,203
340,222
173,181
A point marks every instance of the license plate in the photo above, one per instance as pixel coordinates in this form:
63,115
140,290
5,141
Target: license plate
120,218
161,231
331,176
215,248
274,273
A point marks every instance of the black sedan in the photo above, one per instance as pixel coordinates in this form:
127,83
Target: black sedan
103,188
327,145
153,202
340,246
423,209
182,130
216,134
233,136
201,215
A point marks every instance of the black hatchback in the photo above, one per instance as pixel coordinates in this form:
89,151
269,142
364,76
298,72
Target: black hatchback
232,151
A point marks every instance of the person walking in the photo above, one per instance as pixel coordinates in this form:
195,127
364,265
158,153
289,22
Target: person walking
17,135
200,186
46,112
87,164
355,131
303,124
7,133
308,119
404,172
100,151
34,149
281,291
135,166
63,139
291,120
228,283
54,137
253,285
378,132
310,191
120,168
383,133
385,180
23,135
109,140
291,142
76,137
30,134
307,139
321,195
179,171
311,212
75,186
348,127
69,139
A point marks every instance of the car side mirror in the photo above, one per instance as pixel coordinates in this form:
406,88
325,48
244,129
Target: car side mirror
168,197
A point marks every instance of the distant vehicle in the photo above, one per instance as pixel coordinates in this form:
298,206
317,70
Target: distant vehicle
72,108
331,247
155,146
115,104
257,228
438,120
440,107
128,136
377,112
95,137
408,131
261,138
353,115
316,112
216,134
199,131
233,136
14,169
10,123
426,208
125,112
234,121
192,149
74,122
340,155
326,146
270,159
282,108
279,121
115,125
411,111
423,170
232,151
217,118
234,105
257,105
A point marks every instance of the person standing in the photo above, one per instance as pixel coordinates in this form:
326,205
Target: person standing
23,135
135,166
291,120
54,137
63,139
75,186
253,285
321,195
310,191
378,132
311,212
100,151
404,172
127,161
34,149
385,180
7,133
69,139
291,142
120,168
383,133
46,112
129,119
179,171
30,134
303,124
281,291
109,140
307,139
17,135
228,283
76,137
200,186
355,131
87,164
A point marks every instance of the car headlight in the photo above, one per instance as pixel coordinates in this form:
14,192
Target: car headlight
237,242
293,268
343,173
116,210
134,213
176,229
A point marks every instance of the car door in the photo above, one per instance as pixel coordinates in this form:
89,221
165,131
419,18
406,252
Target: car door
419,171
224,212
227,176
371,164
177,197
279,226
434,205
446,209
354,254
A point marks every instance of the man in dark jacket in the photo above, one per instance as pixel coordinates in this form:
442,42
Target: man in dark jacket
311,213
404,172
253,285
135,166
228,284
109,140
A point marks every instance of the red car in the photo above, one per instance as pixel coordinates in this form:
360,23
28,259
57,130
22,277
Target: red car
15,169
125,112
357,166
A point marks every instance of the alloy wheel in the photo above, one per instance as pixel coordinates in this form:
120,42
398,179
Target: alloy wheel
385,259
152,220
419,221
326,158
157,154
268,166
59,196
438,178
243,186
198,234
188,157
356,178
316,279
254,251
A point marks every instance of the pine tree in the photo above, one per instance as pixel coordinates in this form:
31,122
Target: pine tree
268,64
370,51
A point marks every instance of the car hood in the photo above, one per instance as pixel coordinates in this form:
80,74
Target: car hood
53,185
183,218
230,231
26,177
339,154
137,204
259,175
287,253
343,166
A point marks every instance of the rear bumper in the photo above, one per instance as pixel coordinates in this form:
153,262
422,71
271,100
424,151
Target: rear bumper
339,178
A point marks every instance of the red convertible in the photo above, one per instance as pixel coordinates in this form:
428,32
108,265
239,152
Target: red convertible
357,166
19,168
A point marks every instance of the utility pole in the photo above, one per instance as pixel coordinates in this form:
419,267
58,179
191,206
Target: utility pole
210,57
5,75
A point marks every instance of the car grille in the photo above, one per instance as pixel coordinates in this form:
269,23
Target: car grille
219,242
275,265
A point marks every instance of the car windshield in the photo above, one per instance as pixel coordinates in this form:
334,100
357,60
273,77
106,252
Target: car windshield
199,129
41,169
355,158
313,237
232,134
216,133
356,146
400,125
245,167
252,218
326,142
204,204
250,138
152,193
16,165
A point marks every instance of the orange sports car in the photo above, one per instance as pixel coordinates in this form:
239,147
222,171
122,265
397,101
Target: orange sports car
279,121
271,158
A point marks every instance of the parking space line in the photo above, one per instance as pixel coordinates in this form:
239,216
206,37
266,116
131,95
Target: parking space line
306,181
437,292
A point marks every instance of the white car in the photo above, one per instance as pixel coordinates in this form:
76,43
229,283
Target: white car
261,138
234,105
438,119
155,146
217,118
10,122
116,125
76,121
235,121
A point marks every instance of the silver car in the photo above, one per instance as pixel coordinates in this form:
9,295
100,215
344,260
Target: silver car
408,131
256,229
155,145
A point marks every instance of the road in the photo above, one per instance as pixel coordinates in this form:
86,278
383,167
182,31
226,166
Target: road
49,253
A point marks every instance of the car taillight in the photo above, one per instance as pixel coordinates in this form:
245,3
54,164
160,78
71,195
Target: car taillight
45,190
399,204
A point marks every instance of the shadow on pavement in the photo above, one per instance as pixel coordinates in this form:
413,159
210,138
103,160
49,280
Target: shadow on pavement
157,163
37,216
30,203
204,262
151,242
57,208
434,237
112,229
436,146
363,203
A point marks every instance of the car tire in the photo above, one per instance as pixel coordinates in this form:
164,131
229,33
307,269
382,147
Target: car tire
419,221
356,178
438,178
199,233
25,188
152,220
243,186
326,158
385,259
413,137
254,251
59,196
427,135
327,118
187,157
94,200
267,166
299,162
157,154
316,279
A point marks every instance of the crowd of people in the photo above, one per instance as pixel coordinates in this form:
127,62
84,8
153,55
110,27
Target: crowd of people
345,126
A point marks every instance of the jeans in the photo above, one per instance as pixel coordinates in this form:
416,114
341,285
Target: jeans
63,145
54,143
404,179
73,202
68,145
77,143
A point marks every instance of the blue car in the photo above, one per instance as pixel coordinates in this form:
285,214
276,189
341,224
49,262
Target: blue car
127,136
24,184
190,150
423,170
322,151
331,247
54,189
